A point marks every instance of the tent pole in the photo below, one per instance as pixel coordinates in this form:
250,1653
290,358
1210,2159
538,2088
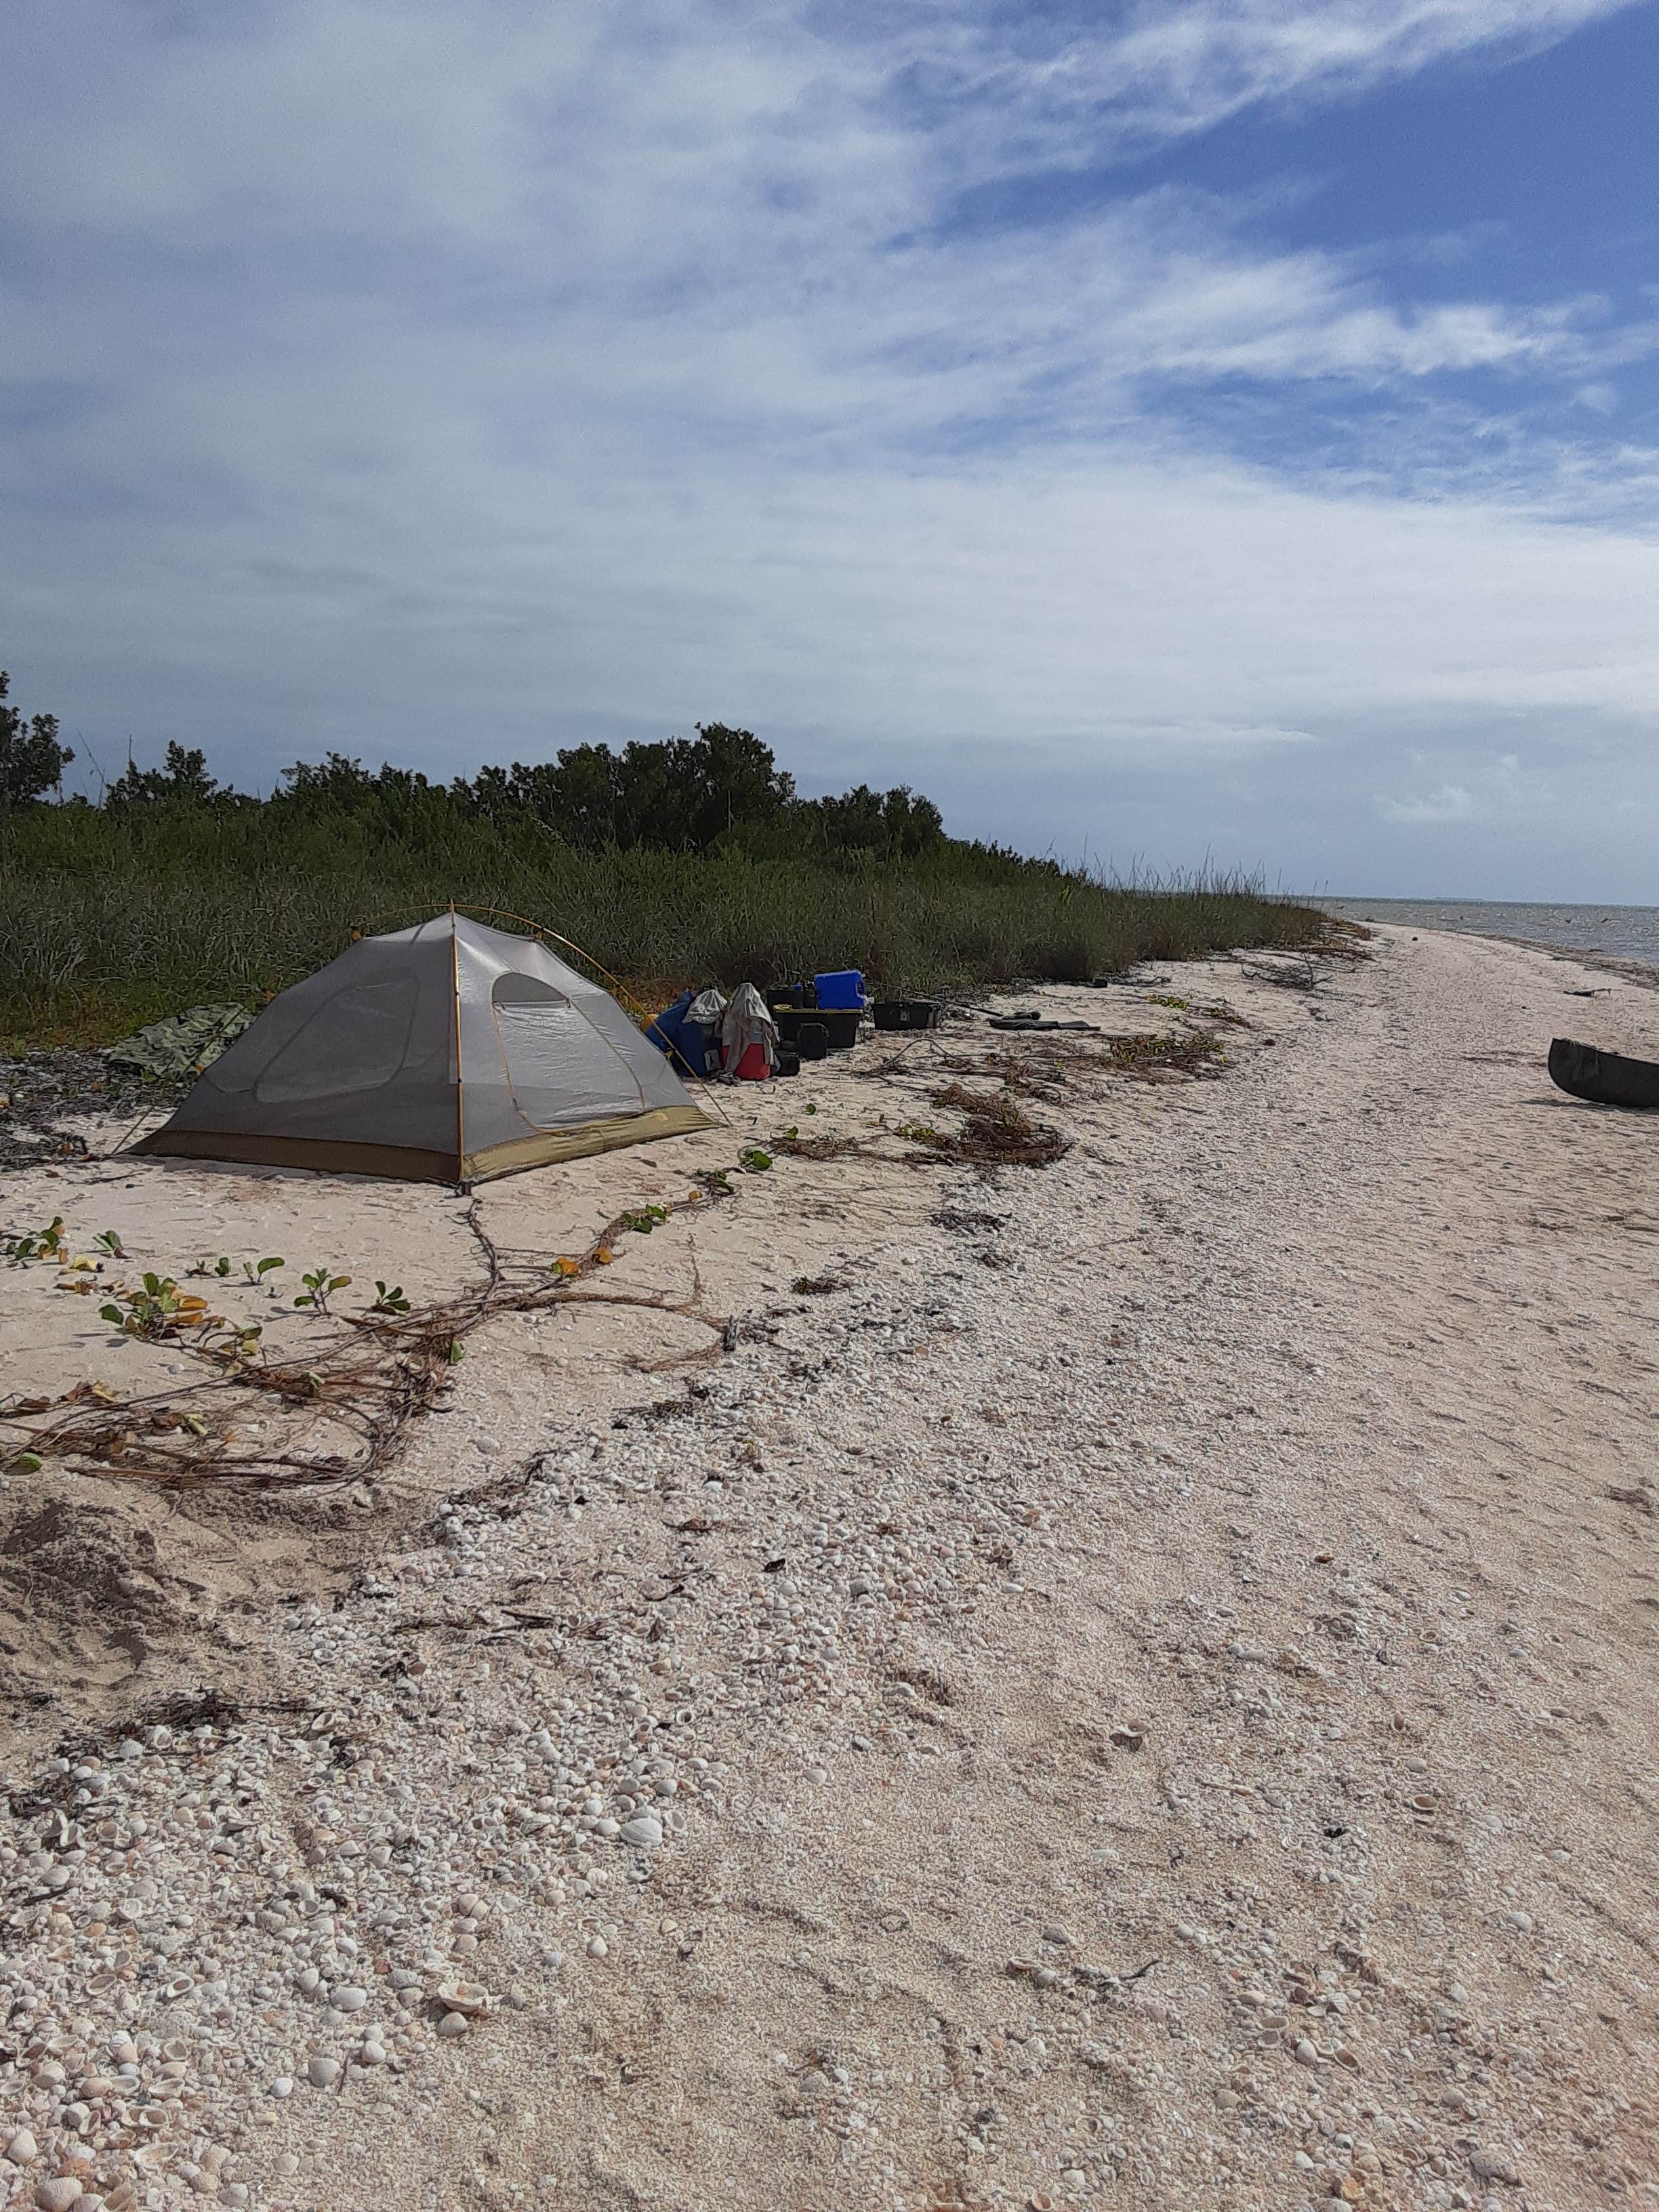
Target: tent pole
460,1087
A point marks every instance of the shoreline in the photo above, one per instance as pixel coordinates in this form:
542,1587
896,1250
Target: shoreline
1435,915
1123,1684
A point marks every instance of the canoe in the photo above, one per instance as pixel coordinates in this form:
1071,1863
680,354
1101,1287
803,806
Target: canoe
1606,1079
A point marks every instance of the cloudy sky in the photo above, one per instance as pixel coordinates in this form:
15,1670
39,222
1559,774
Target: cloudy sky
1221,430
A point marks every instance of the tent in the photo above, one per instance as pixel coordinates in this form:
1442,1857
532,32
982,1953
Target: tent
448,1052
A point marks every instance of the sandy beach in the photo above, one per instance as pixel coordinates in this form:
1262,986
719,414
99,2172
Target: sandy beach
1123,1683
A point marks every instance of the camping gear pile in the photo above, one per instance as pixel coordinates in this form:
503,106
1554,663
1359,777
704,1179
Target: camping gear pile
708,1035
823,1016
755,1036
452,1052
448,1052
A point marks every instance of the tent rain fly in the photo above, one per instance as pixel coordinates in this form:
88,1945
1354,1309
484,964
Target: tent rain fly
448,1052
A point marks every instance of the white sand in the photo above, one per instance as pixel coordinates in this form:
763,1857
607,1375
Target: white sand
1251,1570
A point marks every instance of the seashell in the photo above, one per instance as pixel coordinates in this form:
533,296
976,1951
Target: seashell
470,1999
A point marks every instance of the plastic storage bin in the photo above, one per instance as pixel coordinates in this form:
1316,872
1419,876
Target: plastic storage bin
907,1014
842,991
842,1024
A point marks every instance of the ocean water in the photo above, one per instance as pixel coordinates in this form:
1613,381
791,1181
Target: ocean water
1632,931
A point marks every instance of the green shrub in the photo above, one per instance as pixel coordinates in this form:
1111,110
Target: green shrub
111,918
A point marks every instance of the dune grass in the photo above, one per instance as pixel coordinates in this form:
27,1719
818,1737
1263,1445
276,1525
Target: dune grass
102,931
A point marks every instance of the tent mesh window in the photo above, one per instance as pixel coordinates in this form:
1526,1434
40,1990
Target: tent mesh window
559,1068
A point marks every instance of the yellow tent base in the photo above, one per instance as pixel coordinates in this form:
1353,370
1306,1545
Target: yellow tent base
407,1164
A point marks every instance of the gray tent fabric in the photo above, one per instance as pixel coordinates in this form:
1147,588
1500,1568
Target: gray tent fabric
183,1043
450,1052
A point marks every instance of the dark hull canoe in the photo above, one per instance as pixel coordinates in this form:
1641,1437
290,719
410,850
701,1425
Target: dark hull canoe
1606,1079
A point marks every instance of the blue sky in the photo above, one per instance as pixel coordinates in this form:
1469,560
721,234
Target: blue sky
1174,433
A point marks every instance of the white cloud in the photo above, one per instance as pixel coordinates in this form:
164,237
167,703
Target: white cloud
440,380
1450,803
1168,71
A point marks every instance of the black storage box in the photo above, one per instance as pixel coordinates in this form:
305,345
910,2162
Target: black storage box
812,1039
791,1019
839,1028
907,1014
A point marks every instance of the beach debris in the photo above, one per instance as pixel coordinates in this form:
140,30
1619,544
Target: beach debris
383,1370
1029,1022
794,1147
995,1131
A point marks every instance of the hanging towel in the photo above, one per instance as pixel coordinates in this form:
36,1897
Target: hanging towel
746,1021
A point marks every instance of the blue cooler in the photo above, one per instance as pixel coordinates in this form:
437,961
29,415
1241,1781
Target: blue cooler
842,991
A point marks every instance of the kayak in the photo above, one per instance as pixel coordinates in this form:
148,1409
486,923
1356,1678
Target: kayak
1606,1079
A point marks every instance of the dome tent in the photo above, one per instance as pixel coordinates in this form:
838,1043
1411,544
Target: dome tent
448,1052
